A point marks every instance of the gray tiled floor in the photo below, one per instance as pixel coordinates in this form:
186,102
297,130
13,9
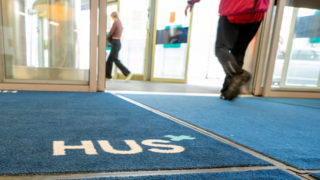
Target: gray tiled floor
145,86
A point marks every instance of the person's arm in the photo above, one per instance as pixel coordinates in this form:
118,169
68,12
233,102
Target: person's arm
190,5
112,30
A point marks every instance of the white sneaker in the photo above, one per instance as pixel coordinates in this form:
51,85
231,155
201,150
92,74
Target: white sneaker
108,79
129,77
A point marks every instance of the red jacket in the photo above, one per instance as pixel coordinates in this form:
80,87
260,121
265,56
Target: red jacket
238,7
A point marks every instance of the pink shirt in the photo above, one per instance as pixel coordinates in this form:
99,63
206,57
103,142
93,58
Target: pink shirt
116,30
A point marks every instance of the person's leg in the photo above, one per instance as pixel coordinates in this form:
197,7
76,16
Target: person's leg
226,39
225,86
123,69
109,64
226,83
246,34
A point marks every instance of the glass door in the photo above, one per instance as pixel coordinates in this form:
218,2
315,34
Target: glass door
134,18
298,57
46,41
170,49
294,61
204,67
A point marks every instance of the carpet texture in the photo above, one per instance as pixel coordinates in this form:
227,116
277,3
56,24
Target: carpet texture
245,175
39,128
312,103
284,132
315,175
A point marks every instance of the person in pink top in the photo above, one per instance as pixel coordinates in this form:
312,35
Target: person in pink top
115,35
238,24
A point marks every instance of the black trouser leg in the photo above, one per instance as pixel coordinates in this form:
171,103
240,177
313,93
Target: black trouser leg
116,46
231,45
246,34
123,69
109,66
226,39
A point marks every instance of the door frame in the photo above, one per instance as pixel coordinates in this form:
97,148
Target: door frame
264,36
33,86
2,65
102,45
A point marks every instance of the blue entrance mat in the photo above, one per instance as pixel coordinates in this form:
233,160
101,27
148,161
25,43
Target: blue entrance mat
50,133
284,132
313,103
245,175
315,175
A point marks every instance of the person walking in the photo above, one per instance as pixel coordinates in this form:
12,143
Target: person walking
238,24
115,35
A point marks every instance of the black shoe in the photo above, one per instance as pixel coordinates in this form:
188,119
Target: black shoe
222,96
236,83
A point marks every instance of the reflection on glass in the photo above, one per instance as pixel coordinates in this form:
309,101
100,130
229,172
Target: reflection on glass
172,37
46,39
298,58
